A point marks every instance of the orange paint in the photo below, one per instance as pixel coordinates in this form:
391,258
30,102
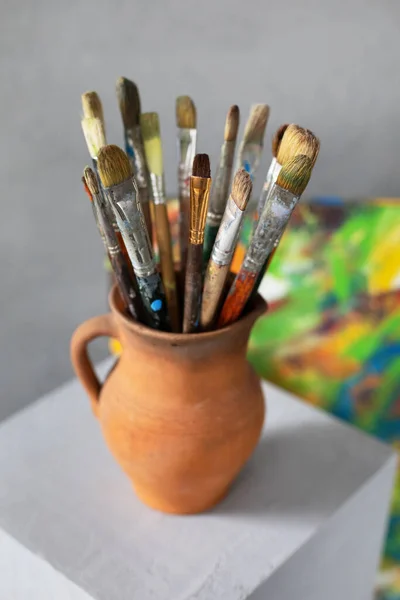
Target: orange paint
237,298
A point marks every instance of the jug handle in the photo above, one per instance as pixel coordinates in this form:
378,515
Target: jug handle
103,325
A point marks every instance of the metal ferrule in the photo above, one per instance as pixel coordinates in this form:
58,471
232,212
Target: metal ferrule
220,188
249,158
157,188
187,152
199,194
272,176
134,144
125,204
228,232
271,225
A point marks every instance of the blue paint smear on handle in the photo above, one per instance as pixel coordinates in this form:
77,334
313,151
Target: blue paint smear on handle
156,305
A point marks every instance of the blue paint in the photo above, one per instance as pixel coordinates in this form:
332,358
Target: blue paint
247,166
156,305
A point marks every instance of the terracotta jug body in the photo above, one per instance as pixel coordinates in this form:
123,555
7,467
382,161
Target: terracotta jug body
180,413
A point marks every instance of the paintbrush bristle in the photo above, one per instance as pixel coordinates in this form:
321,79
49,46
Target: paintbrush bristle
91,181
297,140
276,140
152,142
129,102
256,124
241,189
295,174
201,166
113,166
95,137
232,124
91,106
186,117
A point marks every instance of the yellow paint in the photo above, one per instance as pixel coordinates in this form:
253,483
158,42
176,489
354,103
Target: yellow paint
154,157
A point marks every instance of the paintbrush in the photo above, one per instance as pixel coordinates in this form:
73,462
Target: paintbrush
153,152
126,281
95,137
251,146
220,187
288,142
121,192
187,134
294,140
286,192
224,247
129,104
92,107
200,183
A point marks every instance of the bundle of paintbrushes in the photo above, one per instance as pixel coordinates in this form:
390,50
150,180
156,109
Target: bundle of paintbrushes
127,193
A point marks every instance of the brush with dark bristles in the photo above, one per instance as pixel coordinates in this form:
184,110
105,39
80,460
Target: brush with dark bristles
186,122
291,183
129,104
220,187
92,107
154,157
224,247
121,192
253,139
200,183
290,141
127,284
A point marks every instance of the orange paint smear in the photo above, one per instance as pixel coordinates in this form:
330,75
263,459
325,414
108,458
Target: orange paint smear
237,298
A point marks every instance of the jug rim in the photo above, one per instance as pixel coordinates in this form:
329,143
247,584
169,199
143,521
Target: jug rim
258,308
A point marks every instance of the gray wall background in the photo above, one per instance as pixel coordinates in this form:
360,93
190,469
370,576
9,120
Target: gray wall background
330,66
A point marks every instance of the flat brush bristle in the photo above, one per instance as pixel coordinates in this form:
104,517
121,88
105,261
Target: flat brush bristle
93,131
201,166
241,188
232,124
152,142
297,140
113,166
129,102
185,113
150,124
295,174
91,181
276,140
91,106
256,124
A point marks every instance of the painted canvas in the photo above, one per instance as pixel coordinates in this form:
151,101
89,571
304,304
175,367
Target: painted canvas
332,334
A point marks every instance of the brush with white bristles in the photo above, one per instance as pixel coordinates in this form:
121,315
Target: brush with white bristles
186,122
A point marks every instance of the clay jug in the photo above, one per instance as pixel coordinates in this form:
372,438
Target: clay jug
181,413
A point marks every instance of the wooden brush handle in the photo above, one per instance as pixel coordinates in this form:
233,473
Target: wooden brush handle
184,217
214,284
193,286
237,297
167,264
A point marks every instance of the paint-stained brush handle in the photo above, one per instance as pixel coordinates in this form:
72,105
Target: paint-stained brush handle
237,297
214,284
145,204
184,218
210,234
167,264
193,288
153,297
